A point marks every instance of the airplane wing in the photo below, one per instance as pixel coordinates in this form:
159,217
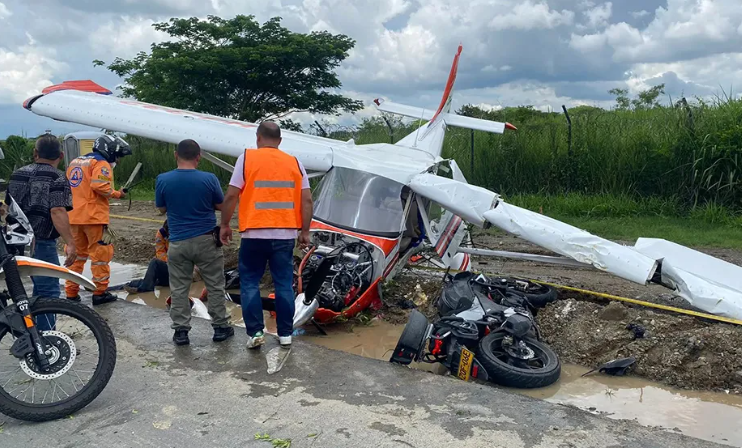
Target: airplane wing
707,283
92,105
482,207
467,201
574,243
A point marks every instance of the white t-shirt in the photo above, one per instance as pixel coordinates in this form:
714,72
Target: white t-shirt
238,181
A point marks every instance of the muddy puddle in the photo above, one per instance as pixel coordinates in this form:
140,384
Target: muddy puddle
705,415
120,273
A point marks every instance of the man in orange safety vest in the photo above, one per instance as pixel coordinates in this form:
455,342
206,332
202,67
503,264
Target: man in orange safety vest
91,180
275,210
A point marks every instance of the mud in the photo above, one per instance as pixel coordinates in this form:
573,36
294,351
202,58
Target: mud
710,416
677,350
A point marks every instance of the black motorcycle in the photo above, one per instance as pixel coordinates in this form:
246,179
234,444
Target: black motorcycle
485,330
56,355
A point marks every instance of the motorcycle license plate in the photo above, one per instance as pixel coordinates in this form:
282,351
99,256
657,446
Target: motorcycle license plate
465,363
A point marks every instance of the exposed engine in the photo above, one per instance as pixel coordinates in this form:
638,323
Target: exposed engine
338,269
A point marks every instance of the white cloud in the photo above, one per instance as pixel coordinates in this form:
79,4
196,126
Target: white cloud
124,37
489,107
588,43
4,11
685,29
24,73
598,17
540,52
529,15
492,69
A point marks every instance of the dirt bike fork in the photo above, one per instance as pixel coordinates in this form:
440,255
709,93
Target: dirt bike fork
18,293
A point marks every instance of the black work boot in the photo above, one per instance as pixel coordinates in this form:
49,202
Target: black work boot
180,337
99,299
74,299
222,334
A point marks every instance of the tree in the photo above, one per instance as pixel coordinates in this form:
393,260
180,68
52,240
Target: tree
648,98
239,69
622,98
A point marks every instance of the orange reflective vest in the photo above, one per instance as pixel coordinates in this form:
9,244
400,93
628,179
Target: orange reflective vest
161,246
271,196
91,181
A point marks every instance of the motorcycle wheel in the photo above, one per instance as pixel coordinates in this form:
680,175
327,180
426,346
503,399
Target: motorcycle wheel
542,369
537,294
85,331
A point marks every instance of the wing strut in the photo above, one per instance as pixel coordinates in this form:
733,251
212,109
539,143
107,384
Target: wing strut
217,161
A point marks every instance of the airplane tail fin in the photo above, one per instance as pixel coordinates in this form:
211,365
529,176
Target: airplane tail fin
433,131
445,106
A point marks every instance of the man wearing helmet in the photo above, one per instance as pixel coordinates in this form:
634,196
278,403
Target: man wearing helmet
91,180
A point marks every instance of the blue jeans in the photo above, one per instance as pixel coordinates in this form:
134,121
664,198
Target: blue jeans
157,275
46,250
279,254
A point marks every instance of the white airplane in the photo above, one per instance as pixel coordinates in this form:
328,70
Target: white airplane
367,193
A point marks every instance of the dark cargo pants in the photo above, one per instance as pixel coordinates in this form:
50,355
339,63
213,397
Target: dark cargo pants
200,251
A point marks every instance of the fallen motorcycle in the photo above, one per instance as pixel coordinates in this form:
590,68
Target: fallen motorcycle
485,330
45,343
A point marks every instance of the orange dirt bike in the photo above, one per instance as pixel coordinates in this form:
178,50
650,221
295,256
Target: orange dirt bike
56,355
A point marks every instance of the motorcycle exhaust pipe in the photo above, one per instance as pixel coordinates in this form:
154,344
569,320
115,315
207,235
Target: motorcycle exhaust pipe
304,310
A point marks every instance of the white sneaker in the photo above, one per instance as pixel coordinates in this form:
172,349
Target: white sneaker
285,341
256,341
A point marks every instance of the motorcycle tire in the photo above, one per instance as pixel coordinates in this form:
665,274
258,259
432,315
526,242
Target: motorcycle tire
508,375
411,340
538,295
103,370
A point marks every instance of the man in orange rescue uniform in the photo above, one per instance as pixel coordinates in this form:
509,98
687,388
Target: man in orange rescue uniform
275,208
91,179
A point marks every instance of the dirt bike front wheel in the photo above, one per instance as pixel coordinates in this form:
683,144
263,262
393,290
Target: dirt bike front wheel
81,350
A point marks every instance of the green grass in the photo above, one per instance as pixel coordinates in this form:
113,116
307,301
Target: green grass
626,219
686,231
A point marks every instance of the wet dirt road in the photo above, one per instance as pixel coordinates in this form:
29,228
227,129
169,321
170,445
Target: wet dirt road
209,394
706,415
710,416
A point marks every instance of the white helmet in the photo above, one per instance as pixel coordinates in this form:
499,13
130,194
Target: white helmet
17,230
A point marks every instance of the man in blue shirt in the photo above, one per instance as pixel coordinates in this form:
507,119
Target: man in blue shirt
190,198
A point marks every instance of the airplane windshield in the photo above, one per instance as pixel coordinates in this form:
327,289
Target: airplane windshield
360,201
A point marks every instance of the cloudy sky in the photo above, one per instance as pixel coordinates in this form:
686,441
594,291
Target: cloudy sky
540,52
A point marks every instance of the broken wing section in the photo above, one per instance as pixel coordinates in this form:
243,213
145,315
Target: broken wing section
466,201
705,282
574,243
213,134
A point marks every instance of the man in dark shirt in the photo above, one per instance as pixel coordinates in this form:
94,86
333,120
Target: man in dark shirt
190,197
44,195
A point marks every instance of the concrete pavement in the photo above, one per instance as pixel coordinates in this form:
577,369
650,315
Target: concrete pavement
219,395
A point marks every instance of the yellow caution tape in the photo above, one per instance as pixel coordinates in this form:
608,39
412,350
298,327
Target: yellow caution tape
619,298
132,218
137,219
